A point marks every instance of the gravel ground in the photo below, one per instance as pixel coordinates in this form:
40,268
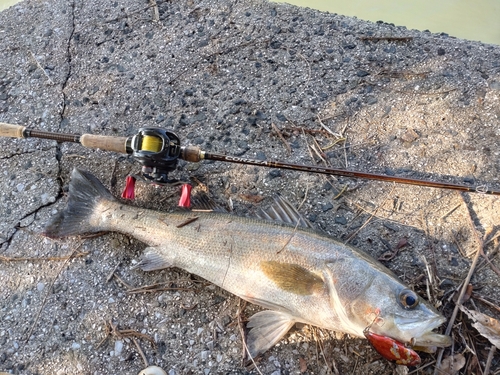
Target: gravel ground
220,73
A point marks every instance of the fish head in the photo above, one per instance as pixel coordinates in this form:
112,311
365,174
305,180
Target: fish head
392,310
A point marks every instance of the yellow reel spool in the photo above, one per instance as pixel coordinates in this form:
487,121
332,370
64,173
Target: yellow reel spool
151,143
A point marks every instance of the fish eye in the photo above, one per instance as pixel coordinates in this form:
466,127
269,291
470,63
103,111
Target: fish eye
408,299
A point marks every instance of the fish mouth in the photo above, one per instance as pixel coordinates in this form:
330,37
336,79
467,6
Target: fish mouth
422,338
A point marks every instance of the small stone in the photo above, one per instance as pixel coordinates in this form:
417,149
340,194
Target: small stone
494,85
20,187
326,207
340,220
389,171
75,346
40,286
118,347
441,51
273,173
409,136
260,155
64,123
243,144
362,73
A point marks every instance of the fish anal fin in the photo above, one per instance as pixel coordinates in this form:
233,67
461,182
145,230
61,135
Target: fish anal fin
293,278
266,329
152,260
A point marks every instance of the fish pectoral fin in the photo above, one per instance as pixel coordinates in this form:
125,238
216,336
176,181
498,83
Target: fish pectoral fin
152,260
267,328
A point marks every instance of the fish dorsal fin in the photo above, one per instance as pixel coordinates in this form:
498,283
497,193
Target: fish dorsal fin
152,260
267,328
293,278
202,202
283,211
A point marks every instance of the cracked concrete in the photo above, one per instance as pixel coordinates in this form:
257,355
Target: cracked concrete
219,73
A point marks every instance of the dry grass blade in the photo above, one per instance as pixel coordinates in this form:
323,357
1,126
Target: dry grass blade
141,353
155,288
278,133
372,215
43,259
49,291
490,359
243,338
487,326
188,221
464,286
112,330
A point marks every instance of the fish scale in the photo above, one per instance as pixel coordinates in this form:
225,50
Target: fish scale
298,274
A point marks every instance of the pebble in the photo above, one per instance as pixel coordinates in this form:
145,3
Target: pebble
75,346
340,220
326,207
118,347
494,85
153,370
40,286
260,155
273,173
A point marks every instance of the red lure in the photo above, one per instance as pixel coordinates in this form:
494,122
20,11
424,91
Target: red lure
393,350
185,200
129,192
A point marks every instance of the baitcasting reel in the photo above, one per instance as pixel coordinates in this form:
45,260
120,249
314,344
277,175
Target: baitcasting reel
158,150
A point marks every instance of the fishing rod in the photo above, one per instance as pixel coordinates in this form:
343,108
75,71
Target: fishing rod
158,150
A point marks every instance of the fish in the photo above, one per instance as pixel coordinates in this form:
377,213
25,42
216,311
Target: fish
275,260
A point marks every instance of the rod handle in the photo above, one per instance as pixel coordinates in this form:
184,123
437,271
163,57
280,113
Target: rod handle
9,130
107,143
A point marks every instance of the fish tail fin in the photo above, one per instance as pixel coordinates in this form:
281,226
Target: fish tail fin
85,192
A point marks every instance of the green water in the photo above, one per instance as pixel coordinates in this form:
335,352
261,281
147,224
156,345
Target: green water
468,19
4,4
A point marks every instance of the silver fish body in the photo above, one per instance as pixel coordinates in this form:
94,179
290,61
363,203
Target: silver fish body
296,273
